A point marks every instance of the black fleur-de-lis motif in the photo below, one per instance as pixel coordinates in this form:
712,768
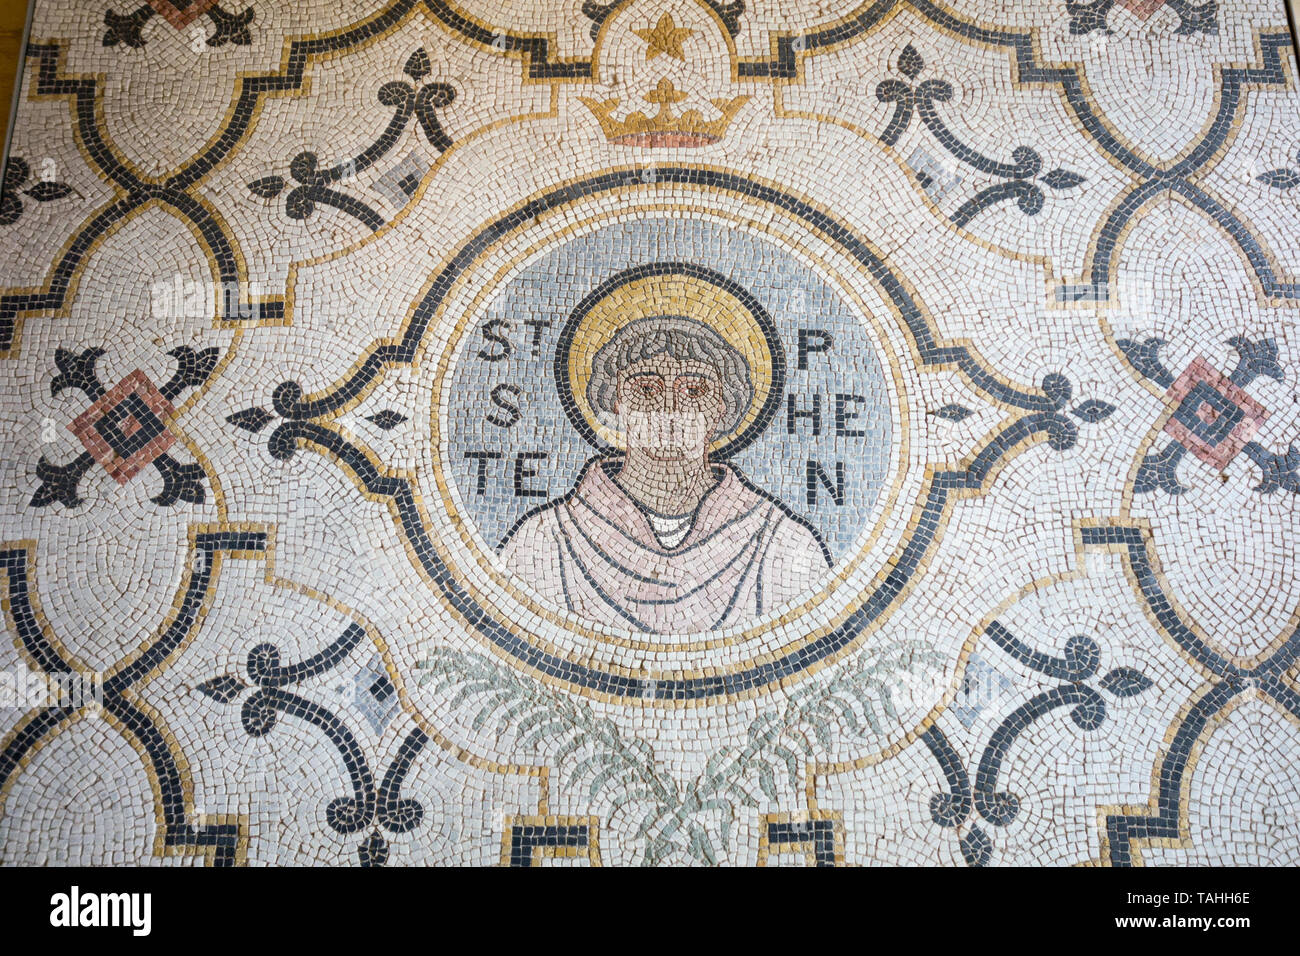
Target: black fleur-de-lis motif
17,173
1022,178
126,28
316,185
373,804
1079,663
231,28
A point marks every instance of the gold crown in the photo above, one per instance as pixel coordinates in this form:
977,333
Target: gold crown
664,128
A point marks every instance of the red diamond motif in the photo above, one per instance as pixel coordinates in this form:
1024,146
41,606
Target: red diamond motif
181,13
133,416
1142,9
1230,398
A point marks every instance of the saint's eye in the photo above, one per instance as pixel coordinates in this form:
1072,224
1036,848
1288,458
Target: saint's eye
646,386
693,386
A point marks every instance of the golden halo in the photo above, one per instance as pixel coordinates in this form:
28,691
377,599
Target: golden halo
671,289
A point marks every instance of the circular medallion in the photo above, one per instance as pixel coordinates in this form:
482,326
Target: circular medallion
670,446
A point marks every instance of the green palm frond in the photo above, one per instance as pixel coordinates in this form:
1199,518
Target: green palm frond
627,772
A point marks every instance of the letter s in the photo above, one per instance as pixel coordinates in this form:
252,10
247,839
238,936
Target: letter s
513,414
489,332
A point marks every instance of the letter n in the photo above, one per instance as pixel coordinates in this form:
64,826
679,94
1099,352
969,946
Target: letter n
817,475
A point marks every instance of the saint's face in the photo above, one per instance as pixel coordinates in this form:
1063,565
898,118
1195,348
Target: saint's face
669,409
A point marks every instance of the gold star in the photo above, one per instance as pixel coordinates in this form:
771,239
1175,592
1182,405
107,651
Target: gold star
666,37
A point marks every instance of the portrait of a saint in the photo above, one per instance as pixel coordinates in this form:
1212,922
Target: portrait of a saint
660,534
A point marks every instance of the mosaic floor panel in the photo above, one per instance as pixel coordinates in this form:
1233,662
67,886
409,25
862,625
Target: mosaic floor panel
651,432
